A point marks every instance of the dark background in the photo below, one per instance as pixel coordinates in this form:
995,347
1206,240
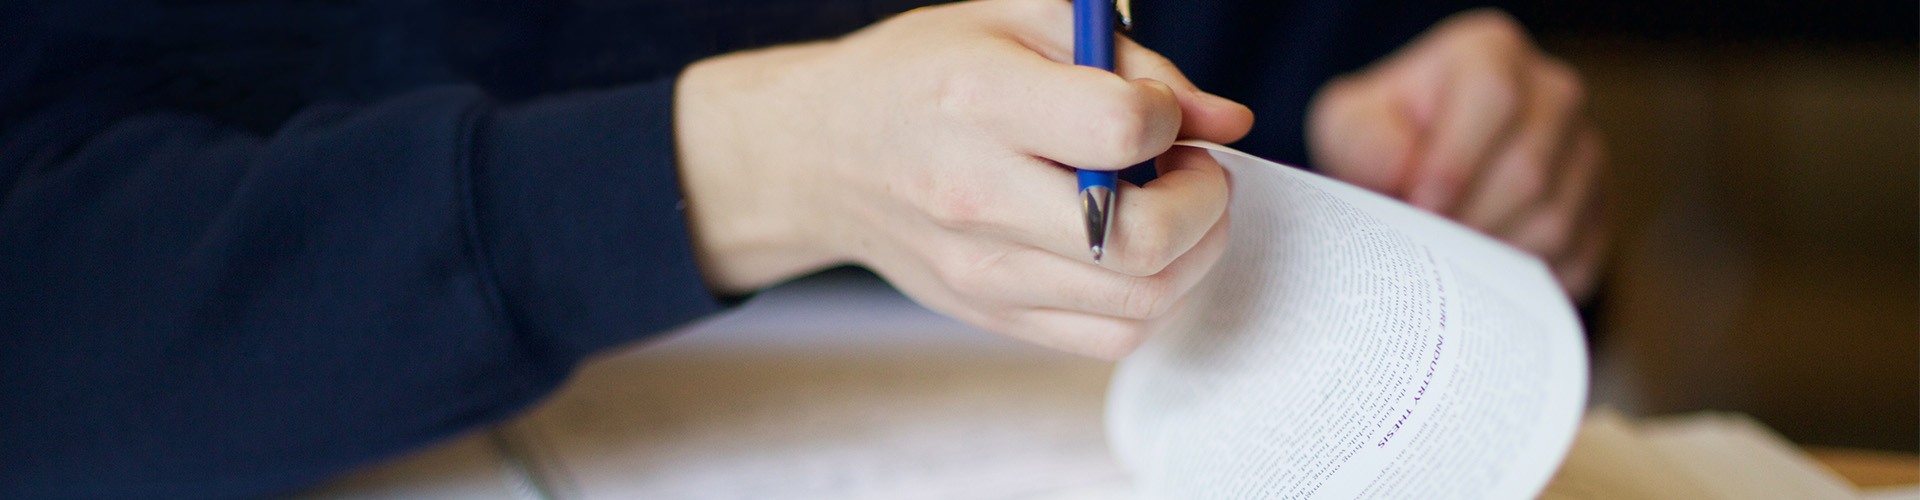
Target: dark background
1724,21
1767,208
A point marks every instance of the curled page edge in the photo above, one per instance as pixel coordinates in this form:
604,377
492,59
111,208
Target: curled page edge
1562,413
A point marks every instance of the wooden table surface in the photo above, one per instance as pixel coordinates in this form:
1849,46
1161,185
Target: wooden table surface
1868,468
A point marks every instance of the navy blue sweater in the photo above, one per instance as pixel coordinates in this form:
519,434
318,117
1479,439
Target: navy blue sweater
246,247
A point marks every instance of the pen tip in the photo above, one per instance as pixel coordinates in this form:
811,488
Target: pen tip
1097,202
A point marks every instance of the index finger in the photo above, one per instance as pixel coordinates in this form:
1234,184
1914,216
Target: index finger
1039,103
1075,115
1203,115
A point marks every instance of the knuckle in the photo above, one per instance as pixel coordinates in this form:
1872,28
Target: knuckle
1149,249
1120,129
1500,29
954,206
962,94
1493,87
1564,81
1492,39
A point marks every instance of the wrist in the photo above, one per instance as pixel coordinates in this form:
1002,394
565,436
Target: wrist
751,221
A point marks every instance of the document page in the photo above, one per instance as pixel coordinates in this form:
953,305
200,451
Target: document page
1350,346
818,391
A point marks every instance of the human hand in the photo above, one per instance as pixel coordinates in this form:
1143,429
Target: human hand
1474,122
930,148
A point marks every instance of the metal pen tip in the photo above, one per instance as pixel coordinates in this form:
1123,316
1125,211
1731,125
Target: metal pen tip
1097,202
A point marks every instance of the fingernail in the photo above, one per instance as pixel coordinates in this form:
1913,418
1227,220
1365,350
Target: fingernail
1157,85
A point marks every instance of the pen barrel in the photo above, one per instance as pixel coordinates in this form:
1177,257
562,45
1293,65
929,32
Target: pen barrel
1103,178
1093,33
1093,39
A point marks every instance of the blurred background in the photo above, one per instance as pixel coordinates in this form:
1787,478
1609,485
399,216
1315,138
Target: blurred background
1767,207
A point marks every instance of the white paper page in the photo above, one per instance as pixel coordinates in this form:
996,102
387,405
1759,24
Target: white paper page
1349,346
829,393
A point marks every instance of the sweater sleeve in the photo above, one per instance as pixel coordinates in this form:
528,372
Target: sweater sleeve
194,309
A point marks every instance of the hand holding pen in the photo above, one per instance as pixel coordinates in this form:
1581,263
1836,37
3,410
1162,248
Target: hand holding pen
928,148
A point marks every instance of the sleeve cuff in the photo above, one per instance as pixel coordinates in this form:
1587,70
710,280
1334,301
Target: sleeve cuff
578,210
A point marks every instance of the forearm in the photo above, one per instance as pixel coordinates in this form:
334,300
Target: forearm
193,310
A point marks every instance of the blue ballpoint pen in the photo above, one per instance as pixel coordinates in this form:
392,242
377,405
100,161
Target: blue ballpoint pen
1093,46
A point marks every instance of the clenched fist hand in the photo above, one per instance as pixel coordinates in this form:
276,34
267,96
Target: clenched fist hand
1474,122
932,148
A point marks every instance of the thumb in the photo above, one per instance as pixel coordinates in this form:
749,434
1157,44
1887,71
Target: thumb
1361,132
1202,115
